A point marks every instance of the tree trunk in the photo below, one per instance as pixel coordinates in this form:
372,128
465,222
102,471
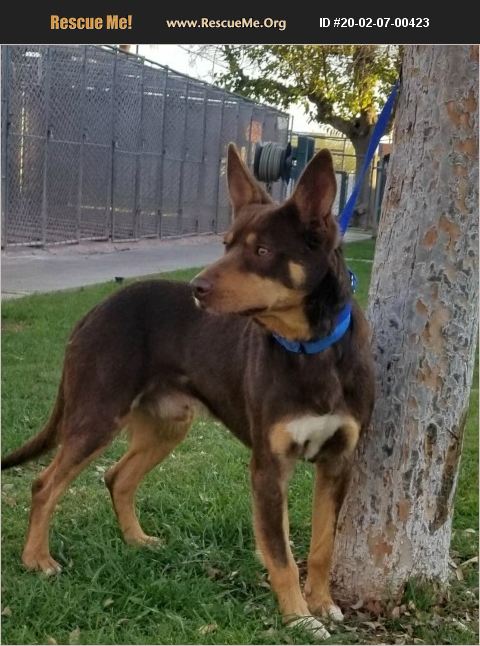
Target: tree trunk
423,307
361,213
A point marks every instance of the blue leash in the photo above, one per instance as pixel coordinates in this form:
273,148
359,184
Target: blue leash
344,317
377,134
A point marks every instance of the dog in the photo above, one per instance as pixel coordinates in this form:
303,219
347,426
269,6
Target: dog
245,340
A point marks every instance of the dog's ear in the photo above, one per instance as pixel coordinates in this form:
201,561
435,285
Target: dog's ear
316,189
242,186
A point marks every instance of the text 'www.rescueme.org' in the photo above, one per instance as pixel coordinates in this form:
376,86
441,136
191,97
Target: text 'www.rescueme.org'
226,23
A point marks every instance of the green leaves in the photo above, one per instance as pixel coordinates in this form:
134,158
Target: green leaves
336,83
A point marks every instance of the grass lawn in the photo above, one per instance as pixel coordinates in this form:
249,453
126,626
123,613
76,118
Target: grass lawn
204,585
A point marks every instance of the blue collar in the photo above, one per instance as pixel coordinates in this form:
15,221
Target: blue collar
318,345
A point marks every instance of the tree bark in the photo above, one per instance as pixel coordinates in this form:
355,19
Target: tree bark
423,308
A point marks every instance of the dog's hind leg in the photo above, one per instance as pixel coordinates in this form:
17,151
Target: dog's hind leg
151,440
75,453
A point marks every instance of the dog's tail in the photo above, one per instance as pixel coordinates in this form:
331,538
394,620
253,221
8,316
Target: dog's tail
43,441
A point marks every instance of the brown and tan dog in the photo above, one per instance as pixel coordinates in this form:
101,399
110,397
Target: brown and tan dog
151,355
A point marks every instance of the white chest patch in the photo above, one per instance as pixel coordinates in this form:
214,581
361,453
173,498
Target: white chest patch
316,430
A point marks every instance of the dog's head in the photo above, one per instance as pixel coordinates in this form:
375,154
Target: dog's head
275,255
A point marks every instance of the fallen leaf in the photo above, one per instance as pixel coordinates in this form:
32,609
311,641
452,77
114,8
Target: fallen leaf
474,559
470,531
207,629
350,629
458,623
7,612
108,602
74,636
51,640
459,574
371,624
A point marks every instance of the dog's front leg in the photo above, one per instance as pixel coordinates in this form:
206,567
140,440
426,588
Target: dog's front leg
270,519
327,498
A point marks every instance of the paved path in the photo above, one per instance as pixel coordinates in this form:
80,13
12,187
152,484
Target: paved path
26,270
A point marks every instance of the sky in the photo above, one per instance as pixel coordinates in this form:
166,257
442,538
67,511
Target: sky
179,59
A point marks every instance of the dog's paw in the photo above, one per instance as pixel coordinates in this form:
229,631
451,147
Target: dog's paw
311,624
334,612
326,608
42,563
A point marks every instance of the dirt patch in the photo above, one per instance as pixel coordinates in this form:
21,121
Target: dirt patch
13,326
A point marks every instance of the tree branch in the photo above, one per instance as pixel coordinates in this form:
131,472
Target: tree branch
325,114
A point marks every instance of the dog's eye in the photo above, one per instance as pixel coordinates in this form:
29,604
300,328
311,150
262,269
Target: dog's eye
263,251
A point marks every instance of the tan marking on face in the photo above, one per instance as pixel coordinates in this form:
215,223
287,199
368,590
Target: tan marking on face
251,239
237,291
297,273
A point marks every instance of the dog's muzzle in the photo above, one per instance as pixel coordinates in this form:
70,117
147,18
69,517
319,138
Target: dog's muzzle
201,288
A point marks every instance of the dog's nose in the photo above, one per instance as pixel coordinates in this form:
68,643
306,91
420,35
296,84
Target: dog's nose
201,286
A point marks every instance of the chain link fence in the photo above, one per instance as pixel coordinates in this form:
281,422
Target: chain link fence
98,144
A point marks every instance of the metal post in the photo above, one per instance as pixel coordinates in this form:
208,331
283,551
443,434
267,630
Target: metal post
162,160
82,142
182,165
48,134
237,118
263,124
112,167
201,174
217,181
138,160
5,136
249,151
